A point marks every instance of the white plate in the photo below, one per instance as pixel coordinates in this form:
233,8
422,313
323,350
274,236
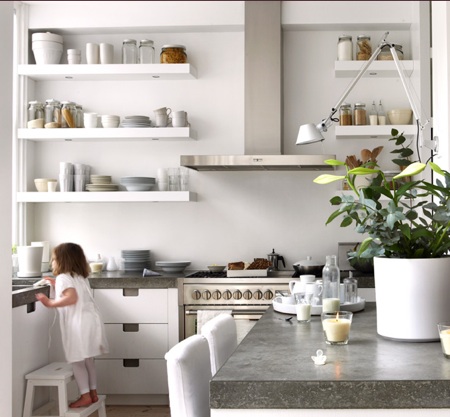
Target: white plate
316,310
247,273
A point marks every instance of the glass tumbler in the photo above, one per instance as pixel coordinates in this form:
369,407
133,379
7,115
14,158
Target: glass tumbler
174,179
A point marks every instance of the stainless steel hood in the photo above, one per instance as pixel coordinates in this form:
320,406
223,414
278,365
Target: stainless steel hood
263,102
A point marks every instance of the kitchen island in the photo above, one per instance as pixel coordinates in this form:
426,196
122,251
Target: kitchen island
271,372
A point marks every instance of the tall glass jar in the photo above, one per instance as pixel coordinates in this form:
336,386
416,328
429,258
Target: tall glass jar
345,48
360,114
35,110
331,279
53,112
69,114
345,115
385,53
364,48
129,52
80,117
146,52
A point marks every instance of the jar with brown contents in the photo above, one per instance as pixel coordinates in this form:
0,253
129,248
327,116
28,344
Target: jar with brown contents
173,54
360,114
364,48
345,115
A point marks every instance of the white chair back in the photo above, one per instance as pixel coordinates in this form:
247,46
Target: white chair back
189,374
222,338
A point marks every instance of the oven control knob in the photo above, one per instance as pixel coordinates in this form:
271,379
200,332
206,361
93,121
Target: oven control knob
257,295
247,294
206,295
237,295
268,295
216,295
227,295
196,295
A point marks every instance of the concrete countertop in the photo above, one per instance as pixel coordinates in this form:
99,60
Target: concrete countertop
272,368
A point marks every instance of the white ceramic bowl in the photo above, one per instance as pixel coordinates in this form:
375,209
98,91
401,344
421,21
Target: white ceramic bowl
400,116
45,56
41,183
216,268
138,187
110,124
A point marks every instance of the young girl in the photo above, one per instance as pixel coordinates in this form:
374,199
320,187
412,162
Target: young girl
83,333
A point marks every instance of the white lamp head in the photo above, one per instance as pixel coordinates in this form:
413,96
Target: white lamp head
310,133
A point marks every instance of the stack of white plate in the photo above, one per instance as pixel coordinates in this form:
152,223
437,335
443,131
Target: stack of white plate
101,183
135,121
138,183
135,260
173,266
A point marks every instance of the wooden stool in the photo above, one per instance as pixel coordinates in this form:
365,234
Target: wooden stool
58,375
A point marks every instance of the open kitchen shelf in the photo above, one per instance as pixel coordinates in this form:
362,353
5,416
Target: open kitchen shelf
101,134
372,132
386,69
109,72
106,197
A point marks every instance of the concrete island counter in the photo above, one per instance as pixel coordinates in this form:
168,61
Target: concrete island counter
272,373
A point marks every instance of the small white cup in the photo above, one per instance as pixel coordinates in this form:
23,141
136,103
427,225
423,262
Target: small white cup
90,120
161,120
106,53
51,186
73,56
179,121
92,53
163,110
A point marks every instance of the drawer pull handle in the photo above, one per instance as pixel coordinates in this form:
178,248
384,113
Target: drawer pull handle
131,363
130,327
130,292
31,307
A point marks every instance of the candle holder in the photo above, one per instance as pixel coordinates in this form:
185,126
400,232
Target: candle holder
444,334
336,327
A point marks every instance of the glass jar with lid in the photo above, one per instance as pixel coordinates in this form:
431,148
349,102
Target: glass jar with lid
35,110
345,48
129,51
385,53
80,116
364,48
53,112
173,54
146,52
69,114
345,115
360,114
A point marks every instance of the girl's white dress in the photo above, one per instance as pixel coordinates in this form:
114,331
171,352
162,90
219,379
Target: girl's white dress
82,329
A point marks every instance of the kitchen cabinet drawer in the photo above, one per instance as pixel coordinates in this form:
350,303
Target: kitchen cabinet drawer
132,305
149,377
150,341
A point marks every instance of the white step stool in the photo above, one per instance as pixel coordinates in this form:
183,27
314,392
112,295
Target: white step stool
58,374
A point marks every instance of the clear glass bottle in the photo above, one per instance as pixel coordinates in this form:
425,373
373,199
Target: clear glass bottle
381,114
146,52
364,48
360,114
345,115
129,52
373,115
331,279
345,48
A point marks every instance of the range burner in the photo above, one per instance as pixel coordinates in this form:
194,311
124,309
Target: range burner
207,274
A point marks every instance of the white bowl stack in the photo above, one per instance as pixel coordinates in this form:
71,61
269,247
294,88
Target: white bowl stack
110,121
47,48
138,183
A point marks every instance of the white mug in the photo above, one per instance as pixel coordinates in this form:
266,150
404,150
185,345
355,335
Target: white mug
163,110
106,53
92,53
161,120
179,119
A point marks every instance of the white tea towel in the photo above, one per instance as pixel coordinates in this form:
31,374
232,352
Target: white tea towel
205,315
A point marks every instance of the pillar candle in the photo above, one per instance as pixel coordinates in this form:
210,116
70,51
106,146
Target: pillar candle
337,330
445,341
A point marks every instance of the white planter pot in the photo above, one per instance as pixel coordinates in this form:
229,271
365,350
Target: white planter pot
412,297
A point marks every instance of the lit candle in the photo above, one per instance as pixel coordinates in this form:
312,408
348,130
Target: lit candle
445,341
329,305
337,329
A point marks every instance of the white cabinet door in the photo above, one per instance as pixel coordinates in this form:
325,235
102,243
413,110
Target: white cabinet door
132,305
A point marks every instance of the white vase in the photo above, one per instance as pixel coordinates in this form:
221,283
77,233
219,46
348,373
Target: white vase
412,297
363,181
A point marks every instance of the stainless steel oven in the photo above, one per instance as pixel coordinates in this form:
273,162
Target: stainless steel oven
246,298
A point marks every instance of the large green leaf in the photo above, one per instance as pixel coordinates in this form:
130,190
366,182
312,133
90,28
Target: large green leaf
328,178
412,169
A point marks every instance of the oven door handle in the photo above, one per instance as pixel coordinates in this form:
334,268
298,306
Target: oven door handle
238,314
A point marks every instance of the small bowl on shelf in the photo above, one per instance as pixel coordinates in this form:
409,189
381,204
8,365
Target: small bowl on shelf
216,268
400,116
42,183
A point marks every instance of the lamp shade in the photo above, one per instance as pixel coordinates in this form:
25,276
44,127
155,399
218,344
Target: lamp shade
309,133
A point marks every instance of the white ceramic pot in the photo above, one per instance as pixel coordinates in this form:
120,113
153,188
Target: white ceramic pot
412,297
363,181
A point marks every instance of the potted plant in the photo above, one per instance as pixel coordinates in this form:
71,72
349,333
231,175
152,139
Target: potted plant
407,223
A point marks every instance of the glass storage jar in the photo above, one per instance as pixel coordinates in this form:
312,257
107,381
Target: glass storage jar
345,115
345,48
360,114
52,112
69,114
385,53
35,110
80,116
364,48
129,51
146,52
173,54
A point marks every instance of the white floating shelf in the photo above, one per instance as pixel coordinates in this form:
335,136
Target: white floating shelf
100,134
106,197
387,69
108,72
372,132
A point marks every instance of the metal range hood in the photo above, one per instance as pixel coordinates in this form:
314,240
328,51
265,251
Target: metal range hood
263,103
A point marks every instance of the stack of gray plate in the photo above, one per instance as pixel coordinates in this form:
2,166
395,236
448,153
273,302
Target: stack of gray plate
136,260
173,266
135,121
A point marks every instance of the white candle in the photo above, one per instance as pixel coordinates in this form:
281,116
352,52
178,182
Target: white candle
329,305
445,341
303,312
337,330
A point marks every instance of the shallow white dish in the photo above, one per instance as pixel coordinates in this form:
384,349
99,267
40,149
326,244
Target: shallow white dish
216,268
316,310
173,266
138,187
247,273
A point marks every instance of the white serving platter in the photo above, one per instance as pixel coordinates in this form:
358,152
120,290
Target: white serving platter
279,306
247,273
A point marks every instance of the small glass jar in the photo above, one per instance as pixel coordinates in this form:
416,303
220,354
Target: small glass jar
146,52
35,110
129,52
345,115
69,114
53,112
360,114
173,54
80,116
345,48
364,48
385,53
